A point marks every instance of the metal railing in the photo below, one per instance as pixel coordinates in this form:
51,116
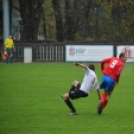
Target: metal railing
51,53
42,52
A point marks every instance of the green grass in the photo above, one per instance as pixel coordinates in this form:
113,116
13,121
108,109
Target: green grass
30,101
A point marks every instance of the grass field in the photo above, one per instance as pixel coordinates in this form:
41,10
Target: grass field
30,101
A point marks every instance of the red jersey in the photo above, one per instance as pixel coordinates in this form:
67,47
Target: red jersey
113,68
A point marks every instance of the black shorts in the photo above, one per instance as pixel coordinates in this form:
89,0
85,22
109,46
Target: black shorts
77,93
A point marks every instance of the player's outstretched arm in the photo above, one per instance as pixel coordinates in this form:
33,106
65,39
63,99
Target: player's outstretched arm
81,65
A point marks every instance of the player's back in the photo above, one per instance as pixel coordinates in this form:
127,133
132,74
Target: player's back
114,67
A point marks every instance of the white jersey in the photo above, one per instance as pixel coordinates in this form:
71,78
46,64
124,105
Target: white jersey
90,81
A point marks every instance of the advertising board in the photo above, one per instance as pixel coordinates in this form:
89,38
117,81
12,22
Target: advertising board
88,53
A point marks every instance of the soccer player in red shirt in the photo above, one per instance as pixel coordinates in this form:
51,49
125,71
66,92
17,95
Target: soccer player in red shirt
111,75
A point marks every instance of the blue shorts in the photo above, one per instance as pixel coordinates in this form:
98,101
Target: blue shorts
107,83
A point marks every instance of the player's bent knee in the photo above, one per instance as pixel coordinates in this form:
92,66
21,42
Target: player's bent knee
65,97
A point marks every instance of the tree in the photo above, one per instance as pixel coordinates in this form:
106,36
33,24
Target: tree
123,14
30,11
58,17
72,18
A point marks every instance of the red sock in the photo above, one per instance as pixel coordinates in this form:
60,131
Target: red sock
104,104
103,97
104,100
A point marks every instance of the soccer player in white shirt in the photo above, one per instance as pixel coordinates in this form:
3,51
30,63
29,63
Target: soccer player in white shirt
78,90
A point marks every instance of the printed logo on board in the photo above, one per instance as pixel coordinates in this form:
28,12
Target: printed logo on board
78,51
128,50
71,51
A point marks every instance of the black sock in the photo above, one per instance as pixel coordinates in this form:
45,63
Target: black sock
70,105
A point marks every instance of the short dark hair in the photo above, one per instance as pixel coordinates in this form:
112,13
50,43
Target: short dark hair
122,54
92,67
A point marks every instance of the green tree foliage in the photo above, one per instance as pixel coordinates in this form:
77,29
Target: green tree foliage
123,16
77,20
58,17
48,21
30,11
